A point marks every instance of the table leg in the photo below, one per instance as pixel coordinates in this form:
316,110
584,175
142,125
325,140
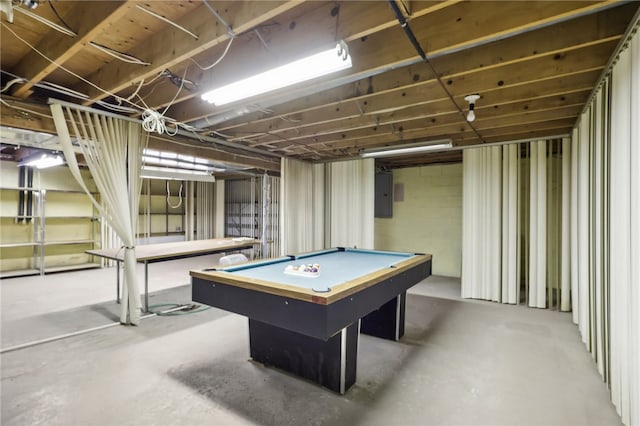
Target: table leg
386,322
330,363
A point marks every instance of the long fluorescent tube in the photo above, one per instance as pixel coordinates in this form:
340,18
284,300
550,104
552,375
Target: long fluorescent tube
406,149
43,161
151,172
313,66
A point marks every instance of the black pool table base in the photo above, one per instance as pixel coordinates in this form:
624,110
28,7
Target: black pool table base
330,363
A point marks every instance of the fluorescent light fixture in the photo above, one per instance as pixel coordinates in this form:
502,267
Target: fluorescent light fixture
406,149
313,66
165,173
42,161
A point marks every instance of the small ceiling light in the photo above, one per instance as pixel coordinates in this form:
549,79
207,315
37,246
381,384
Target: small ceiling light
472,99
329,61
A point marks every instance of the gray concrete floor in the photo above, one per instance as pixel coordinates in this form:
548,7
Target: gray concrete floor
460,363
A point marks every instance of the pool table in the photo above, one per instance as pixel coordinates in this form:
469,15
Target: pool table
307,323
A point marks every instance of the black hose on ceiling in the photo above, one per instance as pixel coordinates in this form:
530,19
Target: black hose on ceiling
404,23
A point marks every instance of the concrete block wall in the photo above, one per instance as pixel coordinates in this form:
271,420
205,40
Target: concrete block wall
429,219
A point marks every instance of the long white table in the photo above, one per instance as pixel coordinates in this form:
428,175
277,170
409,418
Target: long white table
151,253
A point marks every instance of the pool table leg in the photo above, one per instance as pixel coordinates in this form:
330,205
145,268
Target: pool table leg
386,322
330,363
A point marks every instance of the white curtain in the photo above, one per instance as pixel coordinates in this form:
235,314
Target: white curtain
538,225
624,231
510,225
112,149
351,197
205,211
604,229
481,230
513,229
302,215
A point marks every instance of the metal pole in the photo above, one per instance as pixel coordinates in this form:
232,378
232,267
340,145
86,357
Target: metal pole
265,215
117,281
146,286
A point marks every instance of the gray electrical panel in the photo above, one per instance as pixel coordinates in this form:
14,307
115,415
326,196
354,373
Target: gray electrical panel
384,195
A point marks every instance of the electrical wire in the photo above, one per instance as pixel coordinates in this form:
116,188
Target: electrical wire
154,120
12,82
44,85
189,308
124,57
59,17
404,23
221,19
208,67
168,21
47,22
26,110
62,67
169,197
184,309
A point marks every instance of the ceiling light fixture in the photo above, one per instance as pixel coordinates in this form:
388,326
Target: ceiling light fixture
31,4
313,66
167,173
472,99
413,148
42,161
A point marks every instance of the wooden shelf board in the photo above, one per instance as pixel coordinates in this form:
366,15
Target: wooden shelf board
71,267
10,245
70,217
19,273
58,243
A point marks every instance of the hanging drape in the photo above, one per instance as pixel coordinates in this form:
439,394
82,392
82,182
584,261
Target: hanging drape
622,366
112,149
351,198
513,228
481,218
591,187
302,215
205,211
326,205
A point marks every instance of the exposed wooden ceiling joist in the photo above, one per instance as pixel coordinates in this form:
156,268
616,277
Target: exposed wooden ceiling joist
533,63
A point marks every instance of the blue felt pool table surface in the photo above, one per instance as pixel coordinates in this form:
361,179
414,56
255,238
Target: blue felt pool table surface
336,267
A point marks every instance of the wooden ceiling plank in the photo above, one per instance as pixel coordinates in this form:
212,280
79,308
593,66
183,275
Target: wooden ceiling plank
539,68
430,113
88,22
369,14
172,46
548,40
316,29
447,126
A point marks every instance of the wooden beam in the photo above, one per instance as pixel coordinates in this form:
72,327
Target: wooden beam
209,151
547,40
88,22
25,115
293,36
172,46
539,68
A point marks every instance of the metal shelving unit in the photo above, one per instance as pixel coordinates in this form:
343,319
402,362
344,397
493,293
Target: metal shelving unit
35,236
